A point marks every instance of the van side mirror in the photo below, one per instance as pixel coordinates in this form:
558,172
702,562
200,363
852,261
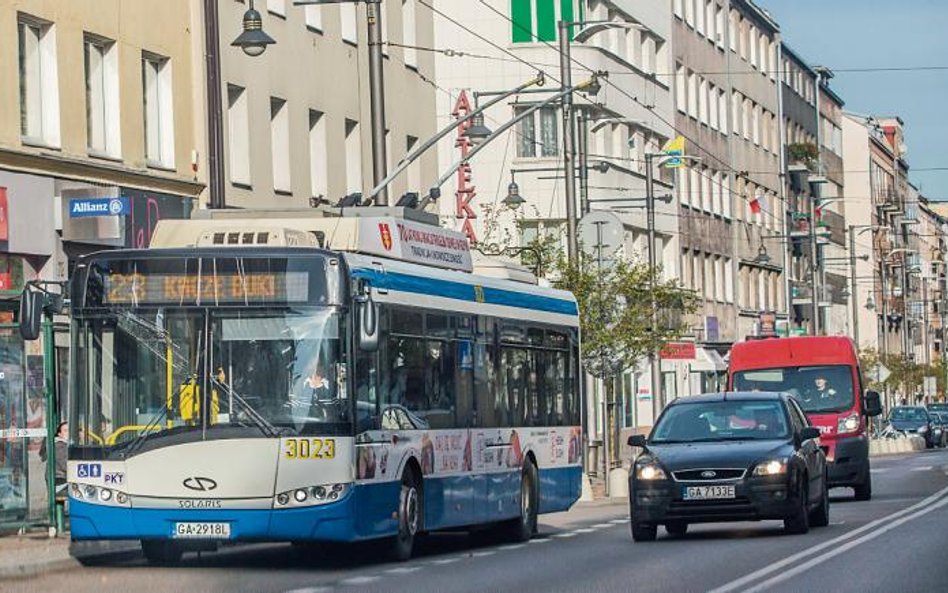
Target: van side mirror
31,313
638,440
872,403
367,318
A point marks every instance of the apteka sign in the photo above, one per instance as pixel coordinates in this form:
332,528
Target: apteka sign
465,192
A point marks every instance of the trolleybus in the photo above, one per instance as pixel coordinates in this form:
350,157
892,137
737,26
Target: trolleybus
315,379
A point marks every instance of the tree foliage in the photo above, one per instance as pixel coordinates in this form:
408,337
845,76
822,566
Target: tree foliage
907,377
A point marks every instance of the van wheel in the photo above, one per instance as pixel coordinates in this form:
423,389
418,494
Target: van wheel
409,517
524,527
161,552
864,491
642,532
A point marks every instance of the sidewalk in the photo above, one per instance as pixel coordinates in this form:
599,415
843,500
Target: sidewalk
35,553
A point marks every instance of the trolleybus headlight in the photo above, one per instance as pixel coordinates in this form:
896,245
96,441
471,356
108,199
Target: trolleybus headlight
89,492
105,495
319,493
121,497
76,490
283,498
300,495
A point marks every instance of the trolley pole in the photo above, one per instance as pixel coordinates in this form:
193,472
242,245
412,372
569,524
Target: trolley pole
377,98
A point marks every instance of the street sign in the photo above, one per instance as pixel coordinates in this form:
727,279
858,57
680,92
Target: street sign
601,234
930,386
678,351
879,373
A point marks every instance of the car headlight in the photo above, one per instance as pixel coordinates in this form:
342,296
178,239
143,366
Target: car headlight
774,467
848,423
649,471
922,429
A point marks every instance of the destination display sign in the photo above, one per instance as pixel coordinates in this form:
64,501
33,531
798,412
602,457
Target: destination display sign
415,242
208,288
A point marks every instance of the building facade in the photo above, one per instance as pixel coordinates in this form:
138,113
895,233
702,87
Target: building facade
296,120
99,112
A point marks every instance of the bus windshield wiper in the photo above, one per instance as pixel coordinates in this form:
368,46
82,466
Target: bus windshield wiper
265,426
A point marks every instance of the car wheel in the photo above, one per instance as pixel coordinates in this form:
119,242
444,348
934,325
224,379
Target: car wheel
820,517
161,552
677,528
642,532
864,491
409,517
799,521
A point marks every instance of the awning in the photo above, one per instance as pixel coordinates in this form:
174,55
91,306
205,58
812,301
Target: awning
708,361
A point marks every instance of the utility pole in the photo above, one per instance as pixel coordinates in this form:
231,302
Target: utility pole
814,272
654,363
582,155
215,118
569,132
854,299
905,309
377,98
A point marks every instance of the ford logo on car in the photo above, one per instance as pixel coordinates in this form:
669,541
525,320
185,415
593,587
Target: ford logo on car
708,474
200,484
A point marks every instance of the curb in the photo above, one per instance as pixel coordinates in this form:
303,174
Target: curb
32,569
80,553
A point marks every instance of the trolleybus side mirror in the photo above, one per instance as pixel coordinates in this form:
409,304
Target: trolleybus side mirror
31,313
872,403
368,318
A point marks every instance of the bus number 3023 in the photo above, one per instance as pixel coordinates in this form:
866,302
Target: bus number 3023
309,448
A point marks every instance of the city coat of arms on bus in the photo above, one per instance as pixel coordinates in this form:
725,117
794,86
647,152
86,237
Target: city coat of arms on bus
386,233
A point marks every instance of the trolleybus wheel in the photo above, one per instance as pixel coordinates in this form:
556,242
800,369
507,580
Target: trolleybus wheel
409,517
524,527
158,551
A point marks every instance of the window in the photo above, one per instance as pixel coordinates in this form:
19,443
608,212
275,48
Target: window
690,12
647,62
709,18
692,94
694,184
713,106
753,45
527,143
679,12
102,96
732,30
743,32
699,17
736,112
684,189
728,281
159,114
703,100
318,155
535,20
347,22
681,97
314,17
719,27
755,125
238,129
277,7
413,173
408,33
706,198
746,111
722,111
353,157
280,144
39,87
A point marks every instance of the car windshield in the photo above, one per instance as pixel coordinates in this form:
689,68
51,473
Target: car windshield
909,414
721,421
817,388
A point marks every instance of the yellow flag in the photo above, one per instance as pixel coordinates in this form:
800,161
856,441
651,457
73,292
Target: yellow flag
674,149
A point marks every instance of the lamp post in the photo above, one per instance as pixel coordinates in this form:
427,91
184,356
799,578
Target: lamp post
254,42
852,274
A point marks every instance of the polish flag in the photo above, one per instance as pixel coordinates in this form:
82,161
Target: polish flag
758,204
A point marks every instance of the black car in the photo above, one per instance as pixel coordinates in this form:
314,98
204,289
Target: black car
913,420
939,422
728,457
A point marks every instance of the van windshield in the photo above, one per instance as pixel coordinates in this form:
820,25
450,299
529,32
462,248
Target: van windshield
819,389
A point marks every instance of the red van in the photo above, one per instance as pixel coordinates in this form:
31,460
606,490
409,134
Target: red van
823,373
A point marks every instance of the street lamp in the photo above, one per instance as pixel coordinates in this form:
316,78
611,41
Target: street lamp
253,41
513,199
478,132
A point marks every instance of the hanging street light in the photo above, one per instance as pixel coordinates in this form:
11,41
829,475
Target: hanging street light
253,40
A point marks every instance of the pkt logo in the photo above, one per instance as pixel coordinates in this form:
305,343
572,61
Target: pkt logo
200,484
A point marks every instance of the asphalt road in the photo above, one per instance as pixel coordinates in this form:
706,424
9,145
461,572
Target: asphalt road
896,542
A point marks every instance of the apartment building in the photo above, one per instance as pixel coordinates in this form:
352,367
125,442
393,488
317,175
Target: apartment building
726,57
297,125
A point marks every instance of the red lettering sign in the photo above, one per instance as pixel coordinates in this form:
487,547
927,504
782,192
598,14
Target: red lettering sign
679,351
466,192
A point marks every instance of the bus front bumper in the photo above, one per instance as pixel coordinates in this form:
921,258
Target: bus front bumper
328,522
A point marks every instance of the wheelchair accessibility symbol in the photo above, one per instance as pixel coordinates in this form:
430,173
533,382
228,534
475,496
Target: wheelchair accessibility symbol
90,470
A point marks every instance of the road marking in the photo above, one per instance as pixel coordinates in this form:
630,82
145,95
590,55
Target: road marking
586,530
539,541
845,547
925,468
511,547
619,521
878,471
484,553
602,525
815,550
359,580
565,534
835,523
444,561
403,570
310,590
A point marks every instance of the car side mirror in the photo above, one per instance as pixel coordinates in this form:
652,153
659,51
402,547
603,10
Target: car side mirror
872,403
809,433
638,440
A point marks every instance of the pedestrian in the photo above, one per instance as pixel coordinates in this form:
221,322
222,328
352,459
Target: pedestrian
61,450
